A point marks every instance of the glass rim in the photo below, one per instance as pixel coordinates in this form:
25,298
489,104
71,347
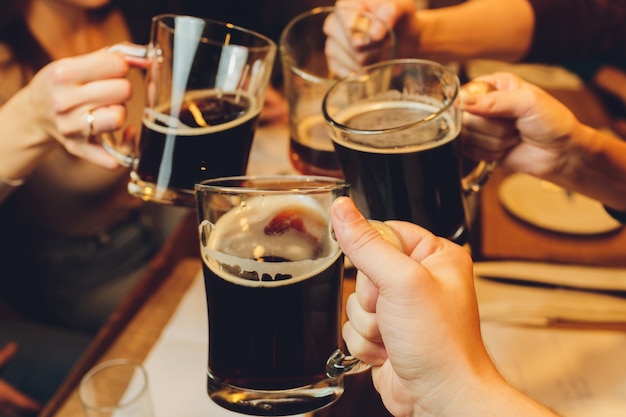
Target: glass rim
364,71
302,184
286,58
138,366
270,44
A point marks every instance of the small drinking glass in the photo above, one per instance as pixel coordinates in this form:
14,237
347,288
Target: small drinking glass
116,388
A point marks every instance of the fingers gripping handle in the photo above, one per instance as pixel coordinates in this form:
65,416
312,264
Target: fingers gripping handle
121,144
130,49
476,179
341,364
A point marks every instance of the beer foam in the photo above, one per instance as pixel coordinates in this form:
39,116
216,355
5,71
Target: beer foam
158,114
293,228
313,132
372,116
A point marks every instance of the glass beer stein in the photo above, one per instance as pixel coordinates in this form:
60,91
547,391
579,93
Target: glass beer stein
308,77
396,128
273,277
204,89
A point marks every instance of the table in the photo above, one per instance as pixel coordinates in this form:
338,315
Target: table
134,328
502,236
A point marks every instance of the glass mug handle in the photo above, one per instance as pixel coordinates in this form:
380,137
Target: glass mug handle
474,181
119,147
339,363
478,177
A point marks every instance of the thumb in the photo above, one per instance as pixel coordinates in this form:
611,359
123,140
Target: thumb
370,248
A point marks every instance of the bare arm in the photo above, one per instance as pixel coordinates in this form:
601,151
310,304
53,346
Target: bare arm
495,29
527,130
418,325
54,106
489,29
595,166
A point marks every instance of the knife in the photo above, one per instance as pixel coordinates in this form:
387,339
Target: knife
536,294
604,280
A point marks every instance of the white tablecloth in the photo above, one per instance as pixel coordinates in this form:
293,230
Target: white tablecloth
576,372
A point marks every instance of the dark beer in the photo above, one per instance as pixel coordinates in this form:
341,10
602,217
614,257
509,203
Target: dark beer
211,137
274,298
312,152
412,174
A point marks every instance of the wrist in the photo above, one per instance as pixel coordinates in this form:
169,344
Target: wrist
465,31
594,164
572,152
467,385
492,396
23,142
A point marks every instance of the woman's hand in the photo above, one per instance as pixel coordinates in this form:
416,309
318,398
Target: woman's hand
353,42
519,125
275,108
76,98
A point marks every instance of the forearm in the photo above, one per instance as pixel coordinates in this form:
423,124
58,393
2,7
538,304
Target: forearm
23,142
484,393
595,165
504,400
488,29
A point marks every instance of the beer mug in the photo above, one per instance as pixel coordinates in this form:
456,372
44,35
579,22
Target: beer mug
308,77
273,278
204,88
396,127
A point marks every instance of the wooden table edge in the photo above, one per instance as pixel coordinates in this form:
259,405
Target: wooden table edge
170,272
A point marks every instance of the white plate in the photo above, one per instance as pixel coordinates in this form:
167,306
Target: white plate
550,207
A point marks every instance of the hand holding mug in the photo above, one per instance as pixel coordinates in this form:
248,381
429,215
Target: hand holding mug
308,57
396,127
273,276
73,99
205,87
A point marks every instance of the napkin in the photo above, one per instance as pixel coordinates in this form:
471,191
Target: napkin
539,294
559,346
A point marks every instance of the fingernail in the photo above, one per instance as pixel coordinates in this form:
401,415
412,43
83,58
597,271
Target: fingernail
467,98
345,210
387,233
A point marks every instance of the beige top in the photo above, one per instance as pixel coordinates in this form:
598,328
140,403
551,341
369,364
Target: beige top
66,195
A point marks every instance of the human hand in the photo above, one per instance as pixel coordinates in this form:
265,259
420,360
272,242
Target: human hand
275,109
13,402
76,98
353,42
416,322
519,125
610,82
